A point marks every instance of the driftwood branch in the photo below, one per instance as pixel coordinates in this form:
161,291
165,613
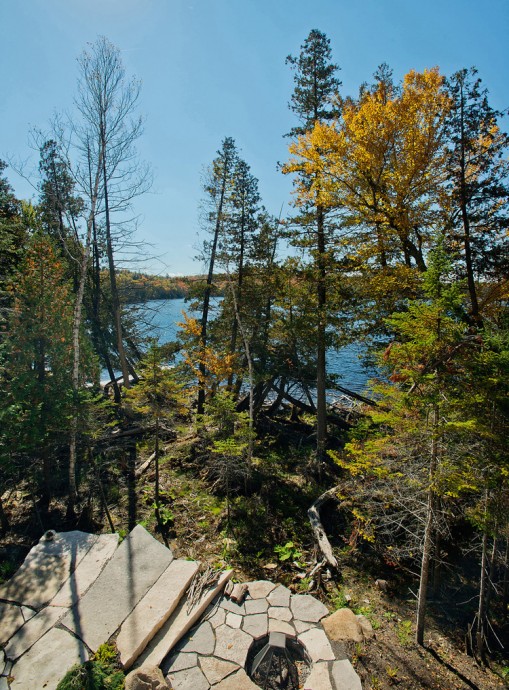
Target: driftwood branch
318,530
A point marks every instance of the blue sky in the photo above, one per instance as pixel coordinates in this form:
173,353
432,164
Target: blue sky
215,68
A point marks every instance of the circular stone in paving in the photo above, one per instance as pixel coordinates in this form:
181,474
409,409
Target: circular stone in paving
232,645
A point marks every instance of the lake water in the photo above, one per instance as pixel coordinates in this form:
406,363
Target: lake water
165,314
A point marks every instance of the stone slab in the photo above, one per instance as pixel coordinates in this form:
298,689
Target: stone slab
32,631
231,606
281,626
319,678
27,613
232,645
135,566
307,608
256,625
44,665
154,609
237,681
317,645
46,567
216,670
279,596
3,683
256,606
11,620
260,589
200,640
344,676
234,620
87,571
179,623
343,625
190,679
216,616
280,613
302,626
181,661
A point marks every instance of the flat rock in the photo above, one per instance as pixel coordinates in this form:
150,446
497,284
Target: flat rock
302,626
343,625
281,626
44,665
279,596
181,661
27,613
229,605
260,589
232,645
2,661
307,608
46,567
216,616
238,681
11,618
154,609
233,620
3,683
319,678
87,570
32,631
280,613
135,566
344,676
179,623
146,679
366,627
256,625
256,606
190,679
216,669
317,645
200,640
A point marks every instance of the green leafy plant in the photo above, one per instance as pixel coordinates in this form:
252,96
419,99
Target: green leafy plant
404,632
287,552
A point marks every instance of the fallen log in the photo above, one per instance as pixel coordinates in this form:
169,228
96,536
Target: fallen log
318,530
331,418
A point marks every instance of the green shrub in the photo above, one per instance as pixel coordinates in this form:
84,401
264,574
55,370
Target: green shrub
92,675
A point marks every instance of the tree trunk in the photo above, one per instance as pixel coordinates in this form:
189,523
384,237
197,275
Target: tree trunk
321,372
76,343
428,532
208,291
115,300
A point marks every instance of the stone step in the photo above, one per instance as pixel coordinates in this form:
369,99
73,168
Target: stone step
48,661
32,631
133,569
178,624
154,609
87,571
46,568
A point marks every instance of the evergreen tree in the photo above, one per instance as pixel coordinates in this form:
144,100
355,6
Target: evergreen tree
478,185
312,101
